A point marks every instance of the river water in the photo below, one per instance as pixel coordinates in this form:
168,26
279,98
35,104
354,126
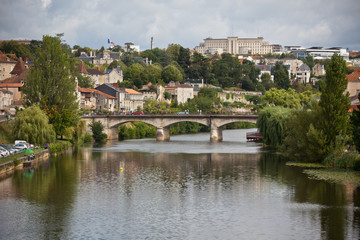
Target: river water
187,188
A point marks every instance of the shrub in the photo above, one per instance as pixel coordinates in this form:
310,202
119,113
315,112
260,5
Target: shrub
97,129
345,160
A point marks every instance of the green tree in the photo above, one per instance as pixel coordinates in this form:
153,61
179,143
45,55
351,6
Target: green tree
50,85
271,125
20,50
171,73
32,125
281,77
97,129
335,105
266,81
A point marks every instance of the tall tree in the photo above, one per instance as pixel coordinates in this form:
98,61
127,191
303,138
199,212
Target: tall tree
171,73
50,85
335,104
281,76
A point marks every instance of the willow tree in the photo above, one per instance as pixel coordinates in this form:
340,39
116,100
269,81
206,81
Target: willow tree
50,85
271,125
335,105
32,125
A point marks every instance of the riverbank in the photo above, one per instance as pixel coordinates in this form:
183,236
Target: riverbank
9,167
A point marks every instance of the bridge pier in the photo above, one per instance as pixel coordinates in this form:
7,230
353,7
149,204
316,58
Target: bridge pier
163,134
112,133
216,134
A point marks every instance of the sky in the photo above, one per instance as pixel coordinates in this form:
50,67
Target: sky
306,23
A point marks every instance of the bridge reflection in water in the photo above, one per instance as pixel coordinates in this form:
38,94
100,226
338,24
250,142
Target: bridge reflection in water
163,123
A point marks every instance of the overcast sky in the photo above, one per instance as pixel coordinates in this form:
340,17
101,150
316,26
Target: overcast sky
327,23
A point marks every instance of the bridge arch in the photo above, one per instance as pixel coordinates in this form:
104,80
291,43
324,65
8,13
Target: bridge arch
163,123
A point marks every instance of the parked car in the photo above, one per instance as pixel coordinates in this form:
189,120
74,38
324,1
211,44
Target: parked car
9,148
28,145
21,146
138,113
4,152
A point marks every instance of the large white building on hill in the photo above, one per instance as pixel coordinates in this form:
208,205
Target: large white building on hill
235,45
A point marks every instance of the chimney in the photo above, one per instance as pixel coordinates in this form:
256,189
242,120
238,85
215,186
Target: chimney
264,67
98,68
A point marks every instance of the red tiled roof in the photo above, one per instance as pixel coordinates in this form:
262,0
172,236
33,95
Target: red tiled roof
86,90
16,79
18,102
10,85
94,71
132,91
354,76
19,67
104,94
82,68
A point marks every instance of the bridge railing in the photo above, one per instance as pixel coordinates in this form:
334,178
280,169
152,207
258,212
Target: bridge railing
175,114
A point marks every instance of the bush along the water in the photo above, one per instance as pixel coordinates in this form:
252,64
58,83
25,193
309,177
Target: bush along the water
347,160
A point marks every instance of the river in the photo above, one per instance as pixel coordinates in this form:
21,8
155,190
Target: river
187,188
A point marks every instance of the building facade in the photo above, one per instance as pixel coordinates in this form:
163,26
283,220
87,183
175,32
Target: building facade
235,45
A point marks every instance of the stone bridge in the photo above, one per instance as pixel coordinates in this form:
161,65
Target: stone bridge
163,123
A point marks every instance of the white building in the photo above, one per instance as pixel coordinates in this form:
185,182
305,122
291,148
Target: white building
235,45
303,73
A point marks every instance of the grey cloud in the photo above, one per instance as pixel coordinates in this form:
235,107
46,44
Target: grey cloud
187,22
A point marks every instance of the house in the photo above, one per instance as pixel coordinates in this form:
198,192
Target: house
114,75
318,70
353,86
133,100
6,66
293,65
105,102
265,69
106,57
96,75
84,57
149,93
87,98
5,101
180,92
303,74
115,92
16,81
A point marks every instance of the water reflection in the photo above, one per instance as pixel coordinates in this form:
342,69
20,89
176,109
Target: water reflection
119,192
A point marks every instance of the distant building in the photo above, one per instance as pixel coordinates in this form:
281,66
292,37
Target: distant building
106,57
115,92
6,66
303,74
85,57
180,92
96,75
318,70
265,69
133,100
6,98
235,45
16,81
353,87
114,75
320,52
